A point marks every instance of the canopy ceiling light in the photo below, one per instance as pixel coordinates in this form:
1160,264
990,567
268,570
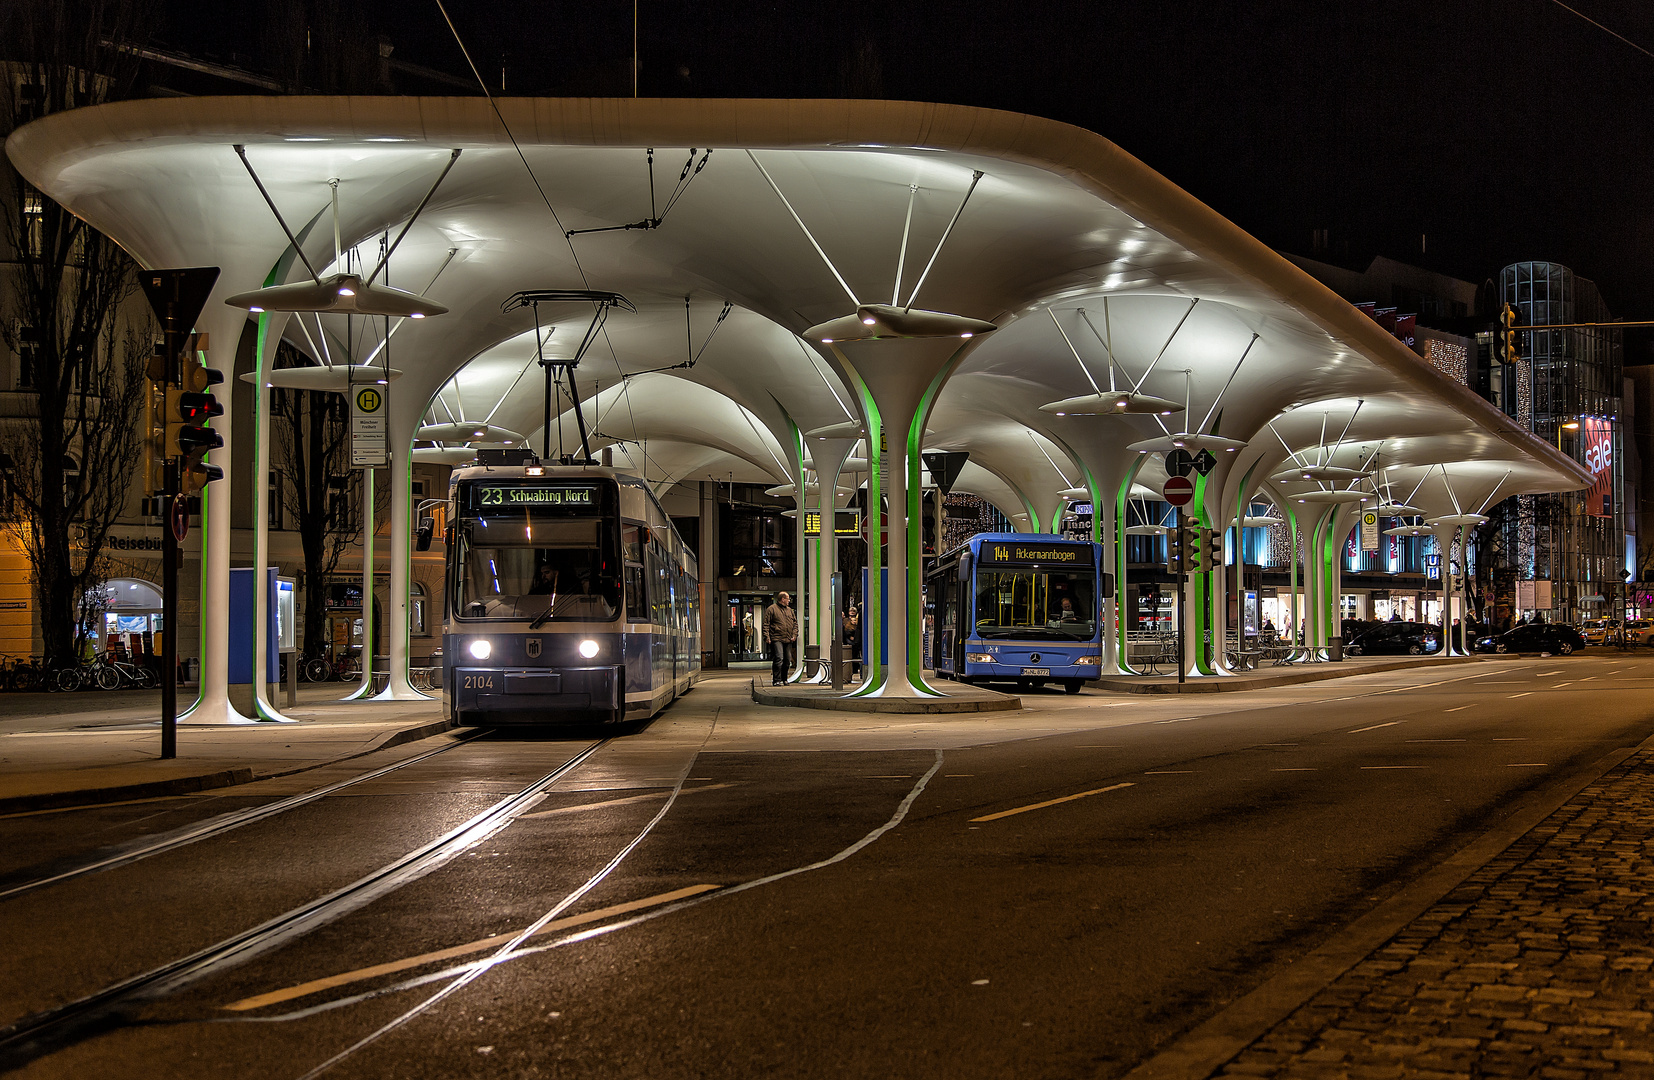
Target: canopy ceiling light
1332,474
338,294
1390,509
1409,530
1186,440
1329,497
1262,521
338,377
1457,519
478,432
874,321
1113,403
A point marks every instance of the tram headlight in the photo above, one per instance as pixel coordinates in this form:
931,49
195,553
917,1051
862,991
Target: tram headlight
481,648
588,648
981,658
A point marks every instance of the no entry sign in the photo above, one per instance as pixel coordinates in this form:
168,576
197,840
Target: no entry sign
1178,490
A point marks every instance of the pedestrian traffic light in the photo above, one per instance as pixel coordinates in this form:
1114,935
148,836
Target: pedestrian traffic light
1508,353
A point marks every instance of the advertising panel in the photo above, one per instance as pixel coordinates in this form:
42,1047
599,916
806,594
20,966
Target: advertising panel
1596,439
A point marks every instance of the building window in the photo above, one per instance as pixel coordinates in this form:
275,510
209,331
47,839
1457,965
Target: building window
71,479
416,610
34,225
342,503
28,353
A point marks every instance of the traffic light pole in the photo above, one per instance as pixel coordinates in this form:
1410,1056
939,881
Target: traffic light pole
1182,615
169,576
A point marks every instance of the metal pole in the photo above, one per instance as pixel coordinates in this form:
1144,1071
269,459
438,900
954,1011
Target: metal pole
169,580
1182,601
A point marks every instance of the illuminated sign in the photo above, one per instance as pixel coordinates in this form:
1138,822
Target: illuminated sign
504,497
1597,443
1073,554
845,523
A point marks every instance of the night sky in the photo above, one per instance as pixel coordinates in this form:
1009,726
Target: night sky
1460,136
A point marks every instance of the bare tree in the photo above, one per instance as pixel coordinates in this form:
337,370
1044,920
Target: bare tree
72,455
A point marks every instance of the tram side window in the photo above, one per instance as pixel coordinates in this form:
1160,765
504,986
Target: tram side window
660,586
637,593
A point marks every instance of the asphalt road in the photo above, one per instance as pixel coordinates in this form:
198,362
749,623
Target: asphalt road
741,891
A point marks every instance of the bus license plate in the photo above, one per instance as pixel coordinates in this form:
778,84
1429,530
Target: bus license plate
1036,671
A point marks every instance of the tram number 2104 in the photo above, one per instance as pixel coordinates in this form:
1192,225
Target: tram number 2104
477,682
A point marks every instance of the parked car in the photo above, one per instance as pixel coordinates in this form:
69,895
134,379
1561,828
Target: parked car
1639,632
1397,638
1534,637
1601,631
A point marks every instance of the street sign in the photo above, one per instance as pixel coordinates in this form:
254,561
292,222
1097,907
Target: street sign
1179,463
369,445
1178,490
1204,463
1369,530
177,296
944,467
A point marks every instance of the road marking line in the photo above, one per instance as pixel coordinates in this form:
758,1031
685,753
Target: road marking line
958,776
1524,693
348,977
1435,740
1179,720
1458,708
1587,678
1560,685
583,807
1528,765
1392,766
1294,770
1542,674
1513,738
1375,727
1050,802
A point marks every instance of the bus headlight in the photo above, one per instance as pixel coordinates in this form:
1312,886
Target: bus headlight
481,648
981,658
588,648
1089,661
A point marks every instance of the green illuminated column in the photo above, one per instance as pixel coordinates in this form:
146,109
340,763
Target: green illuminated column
901,358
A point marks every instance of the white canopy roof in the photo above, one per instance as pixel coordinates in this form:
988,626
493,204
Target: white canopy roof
1138,274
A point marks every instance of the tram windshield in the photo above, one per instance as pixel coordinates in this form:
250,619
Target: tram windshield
1021,602
552,568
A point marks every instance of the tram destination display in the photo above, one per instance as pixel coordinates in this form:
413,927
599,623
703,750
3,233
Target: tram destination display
496,497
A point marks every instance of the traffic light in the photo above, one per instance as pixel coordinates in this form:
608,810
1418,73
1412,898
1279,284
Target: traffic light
1204,550
931,526
1177,542
189,408
1507,351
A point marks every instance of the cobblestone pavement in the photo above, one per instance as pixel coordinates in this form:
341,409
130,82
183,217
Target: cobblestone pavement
1536,965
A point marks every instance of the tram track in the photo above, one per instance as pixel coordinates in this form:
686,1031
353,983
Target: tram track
148,847
35,1035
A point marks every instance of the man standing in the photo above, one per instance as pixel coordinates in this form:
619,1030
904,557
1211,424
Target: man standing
781,636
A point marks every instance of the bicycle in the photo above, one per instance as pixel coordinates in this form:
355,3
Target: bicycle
21,673
343,668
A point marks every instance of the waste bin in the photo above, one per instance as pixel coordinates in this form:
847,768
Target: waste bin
1335,649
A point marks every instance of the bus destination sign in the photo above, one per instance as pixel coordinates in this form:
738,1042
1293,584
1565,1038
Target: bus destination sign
1058,554
506,496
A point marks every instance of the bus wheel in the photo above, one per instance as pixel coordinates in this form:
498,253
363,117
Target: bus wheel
1073,686
965,680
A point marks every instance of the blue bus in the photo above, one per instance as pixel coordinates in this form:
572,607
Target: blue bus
570,598
1020,607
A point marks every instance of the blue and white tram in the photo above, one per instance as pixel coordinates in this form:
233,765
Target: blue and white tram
571,598
1019,606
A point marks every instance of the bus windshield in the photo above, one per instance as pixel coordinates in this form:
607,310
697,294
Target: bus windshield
536,568
1022,602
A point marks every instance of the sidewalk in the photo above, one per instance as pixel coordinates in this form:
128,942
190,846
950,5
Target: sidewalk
1534,964
54,755
1272,675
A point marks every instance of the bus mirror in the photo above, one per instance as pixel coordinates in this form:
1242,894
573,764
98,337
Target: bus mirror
1108,585
427,526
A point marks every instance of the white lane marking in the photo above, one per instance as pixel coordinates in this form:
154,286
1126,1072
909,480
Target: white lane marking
1524,693
1179,720
1542,674
1513,738
1587,678
1435,740
1528,765
581,808
1294,770
1375,727
1392,766
1459,708
1560,685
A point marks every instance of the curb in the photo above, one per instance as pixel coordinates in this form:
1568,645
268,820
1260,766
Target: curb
188,785
929,706
1136,684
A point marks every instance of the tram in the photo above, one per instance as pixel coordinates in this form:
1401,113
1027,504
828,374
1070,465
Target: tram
571,598
1019,606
